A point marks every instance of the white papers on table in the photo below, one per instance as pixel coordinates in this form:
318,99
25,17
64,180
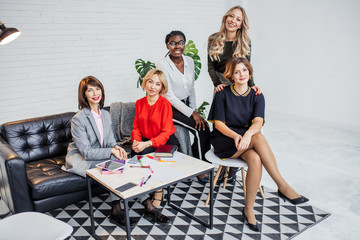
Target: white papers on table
162,171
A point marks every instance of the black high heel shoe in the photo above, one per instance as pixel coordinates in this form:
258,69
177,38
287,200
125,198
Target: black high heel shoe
294,201
155,214
120,219
251,226
203,180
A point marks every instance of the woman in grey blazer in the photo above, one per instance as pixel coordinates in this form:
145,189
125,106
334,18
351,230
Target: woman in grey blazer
93,138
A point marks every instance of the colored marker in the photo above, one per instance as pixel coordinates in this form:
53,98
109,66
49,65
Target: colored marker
147,179
155,158
150,169
142,182
139,166
140,162
166,161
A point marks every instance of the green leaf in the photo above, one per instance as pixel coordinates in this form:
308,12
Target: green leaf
201,110
197,69
196,58
191,51
190,48
142,68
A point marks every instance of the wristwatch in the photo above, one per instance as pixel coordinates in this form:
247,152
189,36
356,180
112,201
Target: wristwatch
150,143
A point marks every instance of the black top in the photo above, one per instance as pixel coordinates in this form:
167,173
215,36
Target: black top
235,110
219,66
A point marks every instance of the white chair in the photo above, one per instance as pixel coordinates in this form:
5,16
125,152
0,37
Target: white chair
227,162
33,226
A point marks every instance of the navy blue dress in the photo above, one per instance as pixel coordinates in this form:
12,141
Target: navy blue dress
237,112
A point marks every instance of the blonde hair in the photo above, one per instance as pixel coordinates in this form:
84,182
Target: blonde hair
231,65
161,75
217,41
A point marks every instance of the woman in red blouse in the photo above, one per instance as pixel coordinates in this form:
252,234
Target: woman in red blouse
153,126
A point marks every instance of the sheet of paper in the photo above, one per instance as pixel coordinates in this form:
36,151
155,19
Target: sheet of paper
162,171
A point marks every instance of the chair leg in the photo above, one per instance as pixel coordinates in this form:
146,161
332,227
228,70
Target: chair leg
261,192
215,180
226,176
243,181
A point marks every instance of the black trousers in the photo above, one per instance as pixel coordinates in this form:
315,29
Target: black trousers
171,141
201,138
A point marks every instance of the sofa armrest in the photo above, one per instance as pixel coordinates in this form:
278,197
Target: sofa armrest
14,186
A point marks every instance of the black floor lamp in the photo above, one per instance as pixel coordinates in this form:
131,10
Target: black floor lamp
6,35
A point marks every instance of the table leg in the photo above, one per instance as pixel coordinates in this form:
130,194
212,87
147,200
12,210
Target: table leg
209,223
168,197
92,231
211,210
127,216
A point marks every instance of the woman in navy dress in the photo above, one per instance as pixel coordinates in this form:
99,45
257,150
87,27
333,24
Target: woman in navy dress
238,115
232,40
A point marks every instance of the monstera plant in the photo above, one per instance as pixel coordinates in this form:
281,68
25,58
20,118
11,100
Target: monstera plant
142,68
190,50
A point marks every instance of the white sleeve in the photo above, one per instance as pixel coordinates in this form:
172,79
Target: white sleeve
192,97
170,96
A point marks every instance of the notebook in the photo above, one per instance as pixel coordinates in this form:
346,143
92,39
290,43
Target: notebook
165,151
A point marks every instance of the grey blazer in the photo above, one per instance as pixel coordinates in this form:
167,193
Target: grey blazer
86,151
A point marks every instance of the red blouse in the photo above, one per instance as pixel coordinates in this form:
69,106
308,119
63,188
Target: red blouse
153,122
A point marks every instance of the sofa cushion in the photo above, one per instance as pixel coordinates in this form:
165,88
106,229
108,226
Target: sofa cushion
122,118
39,138
46,178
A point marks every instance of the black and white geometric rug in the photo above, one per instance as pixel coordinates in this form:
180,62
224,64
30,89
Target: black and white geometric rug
278,220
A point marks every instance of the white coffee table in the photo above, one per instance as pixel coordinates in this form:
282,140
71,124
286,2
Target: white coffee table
165,175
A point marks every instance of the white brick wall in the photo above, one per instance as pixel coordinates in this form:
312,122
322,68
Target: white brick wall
63,41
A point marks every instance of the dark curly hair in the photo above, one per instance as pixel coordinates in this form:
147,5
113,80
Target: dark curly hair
174,33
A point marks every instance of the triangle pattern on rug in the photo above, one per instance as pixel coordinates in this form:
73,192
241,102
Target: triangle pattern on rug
277,219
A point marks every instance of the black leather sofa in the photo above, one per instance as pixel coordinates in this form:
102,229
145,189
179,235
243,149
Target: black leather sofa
32,152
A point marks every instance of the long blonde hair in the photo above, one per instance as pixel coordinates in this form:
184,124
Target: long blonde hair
217,41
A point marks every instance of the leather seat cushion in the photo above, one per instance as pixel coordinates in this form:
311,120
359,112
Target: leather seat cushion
46,178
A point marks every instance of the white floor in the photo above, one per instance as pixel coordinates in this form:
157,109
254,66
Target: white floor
322,162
